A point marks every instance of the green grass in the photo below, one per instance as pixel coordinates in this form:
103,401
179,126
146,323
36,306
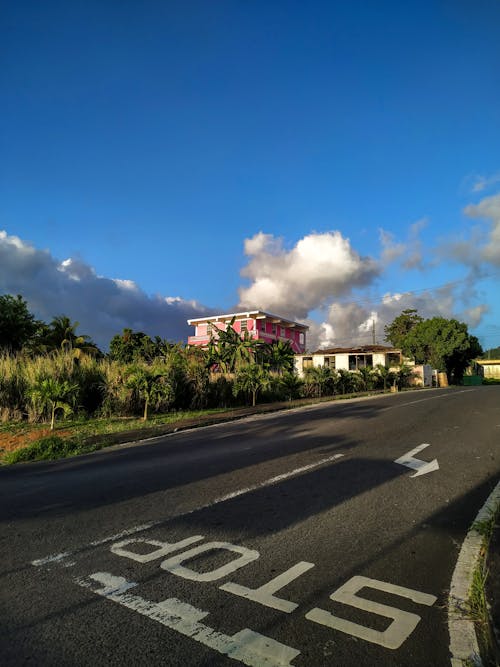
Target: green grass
80,436
49,448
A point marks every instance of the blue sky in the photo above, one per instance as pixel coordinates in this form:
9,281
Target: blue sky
333,162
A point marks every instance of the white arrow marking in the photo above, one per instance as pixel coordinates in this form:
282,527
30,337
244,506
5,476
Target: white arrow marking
422,467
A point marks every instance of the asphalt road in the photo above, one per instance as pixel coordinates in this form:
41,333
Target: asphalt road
285,539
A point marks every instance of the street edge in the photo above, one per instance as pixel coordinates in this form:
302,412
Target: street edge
464,647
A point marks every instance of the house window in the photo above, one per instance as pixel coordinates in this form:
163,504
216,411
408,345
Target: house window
273,328
262,325
301,338
393,359
357,361
307,362
329,362
244,326
209,329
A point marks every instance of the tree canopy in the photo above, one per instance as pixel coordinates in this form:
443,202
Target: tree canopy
443,343
17,324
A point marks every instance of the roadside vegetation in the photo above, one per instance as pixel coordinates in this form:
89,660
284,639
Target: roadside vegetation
60,395
478,603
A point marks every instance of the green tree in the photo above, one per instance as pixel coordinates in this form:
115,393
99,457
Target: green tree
251,379
385,375
397,332
321,378
60,334
54,394
17,324
346,381
445,344
278,356
229,350
291,384
132,346
151,385
365,378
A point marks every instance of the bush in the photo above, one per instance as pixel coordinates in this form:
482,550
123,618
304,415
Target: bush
51,447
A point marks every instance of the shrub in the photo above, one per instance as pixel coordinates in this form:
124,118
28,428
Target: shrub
51,447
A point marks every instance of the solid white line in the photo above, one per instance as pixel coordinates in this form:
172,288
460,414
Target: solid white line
463,641
58,558
431,398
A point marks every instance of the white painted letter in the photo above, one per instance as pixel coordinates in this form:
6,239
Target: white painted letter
249,647
174,564
164,548
264,594
403,622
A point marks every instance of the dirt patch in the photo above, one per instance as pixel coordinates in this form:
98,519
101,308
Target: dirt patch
9,442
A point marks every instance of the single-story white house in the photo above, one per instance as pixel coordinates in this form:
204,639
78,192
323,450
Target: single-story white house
354,358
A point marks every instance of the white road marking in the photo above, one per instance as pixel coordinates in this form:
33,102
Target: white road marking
422,467
265,594
222,499
163,549
398,631
249,647
174,566
430,398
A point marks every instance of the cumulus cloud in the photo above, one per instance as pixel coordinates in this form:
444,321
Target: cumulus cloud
319,268
348,324
408,253
102,306
489,249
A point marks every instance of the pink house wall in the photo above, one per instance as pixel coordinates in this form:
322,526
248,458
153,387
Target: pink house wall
261,328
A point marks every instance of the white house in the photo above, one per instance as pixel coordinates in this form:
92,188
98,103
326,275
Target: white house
354,358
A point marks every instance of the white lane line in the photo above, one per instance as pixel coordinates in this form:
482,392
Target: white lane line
464,646
431,398
58,558
249,647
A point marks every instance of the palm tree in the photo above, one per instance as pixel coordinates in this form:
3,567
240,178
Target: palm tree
404,374
385,374
365,374
149,384
61,335
55,394
291,385
278,356
252,379
321,377
230,350
346,381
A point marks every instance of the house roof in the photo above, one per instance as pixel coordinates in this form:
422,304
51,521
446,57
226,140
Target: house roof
488,362
360,349
257,314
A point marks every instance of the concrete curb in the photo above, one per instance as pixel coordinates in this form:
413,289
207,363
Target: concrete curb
464,647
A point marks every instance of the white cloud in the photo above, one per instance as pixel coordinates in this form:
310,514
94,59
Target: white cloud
102,306
408,253
350,324
489,250
319,268
482,183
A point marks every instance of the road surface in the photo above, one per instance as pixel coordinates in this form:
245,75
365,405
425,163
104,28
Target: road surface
324,535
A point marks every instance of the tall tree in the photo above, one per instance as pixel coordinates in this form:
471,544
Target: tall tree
60,334
17,324
443,343
397,331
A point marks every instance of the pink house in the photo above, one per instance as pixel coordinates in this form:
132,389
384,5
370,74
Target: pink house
259,325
